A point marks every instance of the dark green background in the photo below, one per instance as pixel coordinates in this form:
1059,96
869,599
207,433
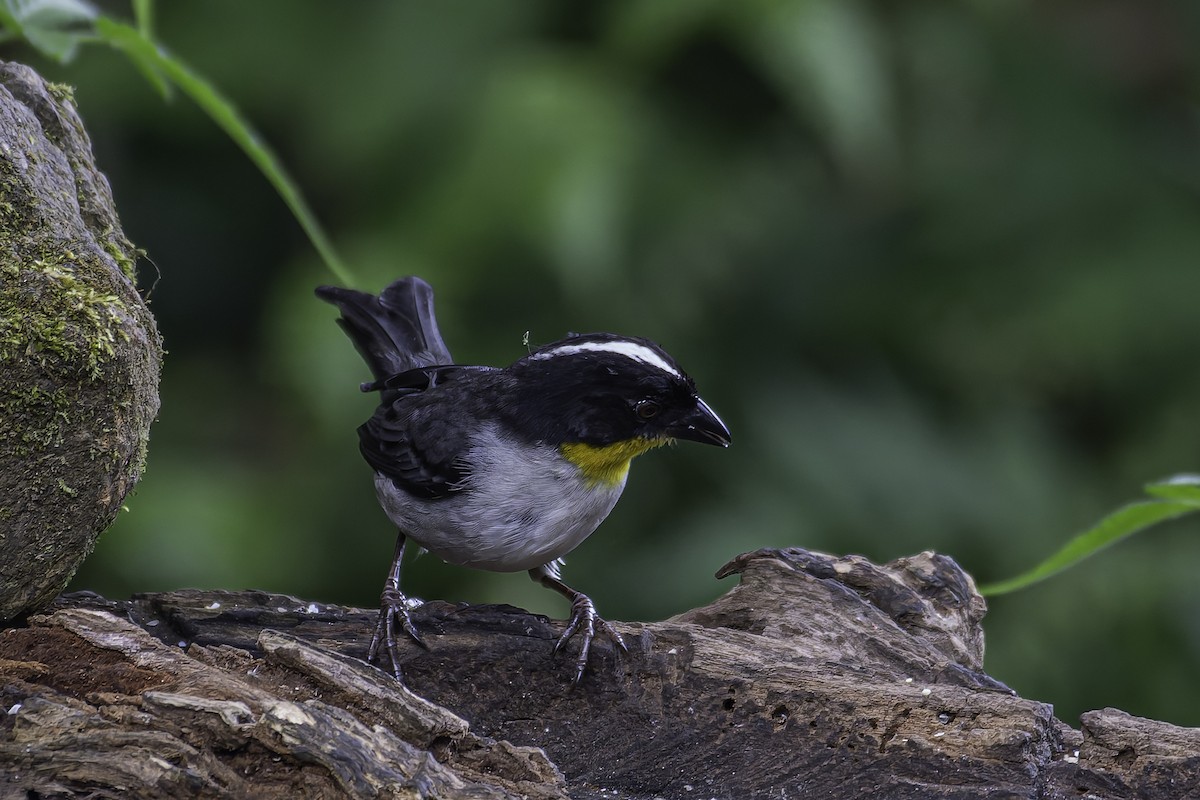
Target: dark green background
937,265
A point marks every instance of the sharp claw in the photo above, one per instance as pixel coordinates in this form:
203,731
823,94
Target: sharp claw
393,607
612,634
584,618
571,629
584,621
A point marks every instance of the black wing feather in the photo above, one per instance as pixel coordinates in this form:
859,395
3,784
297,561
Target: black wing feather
419,435
391,450
415,442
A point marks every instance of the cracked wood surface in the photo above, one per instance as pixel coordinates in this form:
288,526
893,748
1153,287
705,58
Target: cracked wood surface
817,676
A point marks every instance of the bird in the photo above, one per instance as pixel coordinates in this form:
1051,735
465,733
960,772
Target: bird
506,469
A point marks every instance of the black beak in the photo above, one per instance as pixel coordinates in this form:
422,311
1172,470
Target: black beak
701,424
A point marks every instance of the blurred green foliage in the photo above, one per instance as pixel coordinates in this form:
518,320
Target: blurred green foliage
937,265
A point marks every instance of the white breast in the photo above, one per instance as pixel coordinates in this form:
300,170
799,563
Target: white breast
521,507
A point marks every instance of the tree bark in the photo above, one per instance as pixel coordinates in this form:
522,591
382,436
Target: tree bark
815,677
79,351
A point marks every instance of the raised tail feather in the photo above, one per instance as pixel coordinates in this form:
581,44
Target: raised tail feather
396,331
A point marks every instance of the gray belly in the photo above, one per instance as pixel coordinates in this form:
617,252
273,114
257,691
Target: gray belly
519,509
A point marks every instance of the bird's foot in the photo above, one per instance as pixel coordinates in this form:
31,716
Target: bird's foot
585,621
394,606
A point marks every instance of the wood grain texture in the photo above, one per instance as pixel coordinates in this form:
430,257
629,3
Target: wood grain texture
816,676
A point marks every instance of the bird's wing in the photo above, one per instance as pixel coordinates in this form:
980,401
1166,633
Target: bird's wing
420,439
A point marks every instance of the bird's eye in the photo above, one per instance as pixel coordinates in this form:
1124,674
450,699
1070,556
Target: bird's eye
645,409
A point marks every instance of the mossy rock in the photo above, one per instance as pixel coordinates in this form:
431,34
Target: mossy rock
79,350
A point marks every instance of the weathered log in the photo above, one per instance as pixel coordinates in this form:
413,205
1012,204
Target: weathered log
815,677
79,351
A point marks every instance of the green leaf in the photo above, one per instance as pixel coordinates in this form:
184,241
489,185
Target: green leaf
1184,488
55,27
1123,522
9,20
153,60
143,14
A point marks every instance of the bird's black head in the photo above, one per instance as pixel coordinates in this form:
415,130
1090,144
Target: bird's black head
601,389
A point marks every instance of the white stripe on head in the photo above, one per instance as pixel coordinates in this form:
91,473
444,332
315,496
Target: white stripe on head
622,347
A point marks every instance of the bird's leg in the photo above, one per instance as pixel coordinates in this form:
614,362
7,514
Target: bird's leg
584,619
393,606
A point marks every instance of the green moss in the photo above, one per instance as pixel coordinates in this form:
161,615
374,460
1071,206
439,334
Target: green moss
51,310
125,262
63,92
79,356
50,409
52,315
49,313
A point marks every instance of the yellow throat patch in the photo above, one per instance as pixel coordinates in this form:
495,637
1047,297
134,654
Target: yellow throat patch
607,465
